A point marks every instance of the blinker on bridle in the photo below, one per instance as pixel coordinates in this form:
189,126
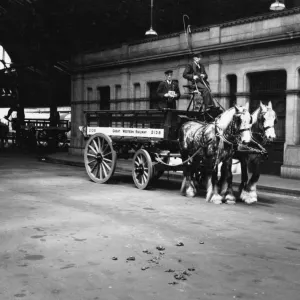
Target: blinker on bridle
244,129
265,128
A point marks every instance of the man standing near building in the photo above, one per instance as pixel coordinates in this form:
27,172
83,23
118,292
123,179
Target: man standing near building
168,91
195,72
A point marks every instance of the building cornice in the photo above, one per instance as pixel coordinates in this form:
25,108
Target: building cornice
242,94
292,92
179,53
286,12
283,13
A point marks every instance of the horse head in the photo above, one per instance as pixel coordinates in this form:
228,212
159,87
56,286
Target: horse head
235,124
266,121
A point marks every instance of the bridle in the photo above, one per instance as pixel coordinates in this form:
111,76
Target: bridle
262,128
232,135
261,134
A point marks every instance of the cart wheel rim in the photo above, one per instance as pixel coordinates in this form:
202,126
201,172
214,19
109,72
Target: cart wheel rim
99,158
142,169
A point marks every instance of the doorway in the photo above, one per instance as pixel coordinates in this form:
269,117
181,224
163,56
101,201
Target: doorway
271,86
153,97
232,87
103,97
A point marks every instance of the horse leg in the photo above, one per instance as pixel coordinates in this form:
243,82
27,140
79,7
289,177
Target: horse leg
190,187
243,192
187,186
209,172
216,197
222,182
251,186
229,197
195,170
183,184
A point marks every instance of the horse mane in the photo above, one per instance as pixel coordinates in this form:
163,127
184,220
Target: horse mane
255,115
223,120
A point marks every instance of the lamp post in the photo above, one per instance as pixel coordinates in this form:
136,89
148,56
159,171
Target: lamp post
277,6
151,32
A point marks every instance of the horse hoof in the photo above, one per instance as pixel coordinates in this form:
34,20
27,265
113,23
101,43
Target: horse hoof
244,195
230,202
216,199
190,193
251,200
253,194
230,199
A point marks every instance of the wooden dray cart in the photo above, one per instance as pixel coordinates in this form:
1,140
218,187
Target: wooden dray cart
149,136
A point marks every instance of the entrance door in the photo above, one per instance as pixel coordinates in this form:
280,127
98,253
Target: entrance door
265,87
154,99
103,96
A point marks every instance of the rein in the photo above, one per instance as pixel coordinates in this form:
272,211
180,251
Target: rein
262,134
158,159
225,135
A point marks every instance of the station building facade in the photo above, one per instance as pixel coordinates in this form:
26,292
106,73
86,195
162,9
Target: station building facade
247,60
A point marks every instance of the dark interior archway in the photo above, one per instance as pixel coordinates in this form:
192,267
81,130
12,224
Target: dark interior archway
271,86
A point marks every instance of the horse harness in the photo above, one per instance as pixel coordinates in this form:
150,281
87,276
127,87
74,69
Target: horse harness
260,150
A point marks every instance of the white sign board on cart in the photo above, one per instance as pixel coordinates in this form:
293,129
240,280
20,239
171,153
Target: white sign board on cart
134,132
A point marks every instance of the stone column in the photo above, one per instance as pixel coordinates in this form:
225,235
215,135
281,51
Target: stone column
78,119
214,77
291,159
214,73
113,105
223,99
125,87
242,95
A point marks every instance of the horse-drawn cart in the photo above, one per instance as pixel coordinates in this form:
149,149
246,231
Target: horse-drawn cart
150,136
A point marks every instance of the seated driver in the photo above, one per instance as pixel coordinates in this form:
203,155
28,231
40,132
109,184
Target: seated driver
195,72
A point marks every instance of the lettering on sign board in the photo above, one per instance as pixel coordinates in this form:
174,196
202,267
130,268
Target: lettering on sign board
134,132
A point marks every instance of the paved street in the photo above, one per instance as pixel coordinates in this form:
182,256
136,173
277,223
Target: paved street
59,233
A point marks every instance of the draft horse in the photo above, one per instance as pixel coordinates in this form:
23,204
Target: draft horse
262,132
205,145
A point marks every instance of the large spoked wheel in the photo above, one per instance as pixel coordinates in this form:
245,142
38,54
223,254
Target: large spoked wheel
100,159
142,169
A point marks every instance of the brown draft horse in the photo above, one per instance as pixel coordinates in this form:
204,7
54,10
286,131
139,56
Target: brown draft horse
264,119
207,145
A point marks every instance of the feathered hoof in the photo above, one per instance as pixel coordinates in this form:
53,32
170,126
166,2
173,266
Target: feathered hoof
190,192
244,195
230,199
251,200
216,199
253,194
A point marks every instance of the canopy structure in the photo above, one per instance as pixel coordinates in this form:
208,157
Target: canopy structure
41,36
